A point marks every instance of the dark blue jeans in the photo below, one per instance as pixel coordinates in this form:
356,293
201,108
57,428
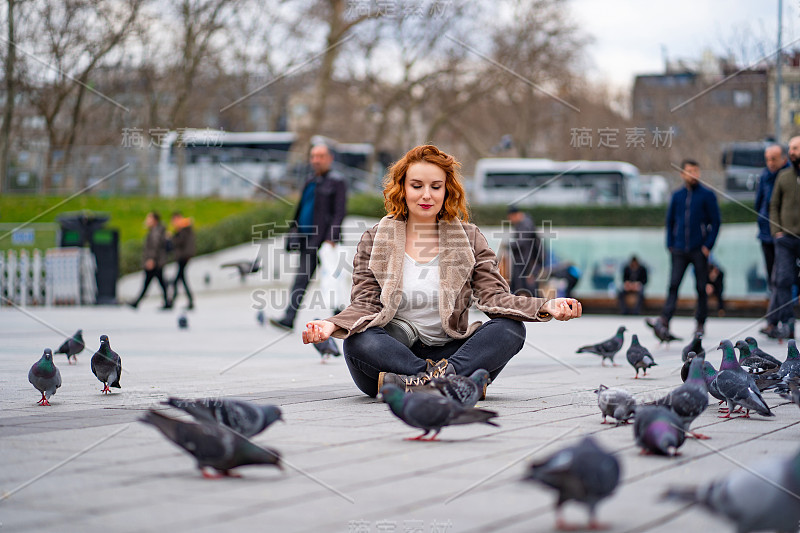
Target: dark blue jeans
787,251
374,351
680,261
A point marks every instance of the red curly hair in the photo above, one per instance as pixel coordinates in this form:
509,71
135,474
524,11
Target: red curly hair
394,190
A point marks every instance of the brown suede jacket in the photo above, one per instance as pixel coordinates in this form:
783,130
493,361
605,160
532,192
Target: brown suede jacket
467,272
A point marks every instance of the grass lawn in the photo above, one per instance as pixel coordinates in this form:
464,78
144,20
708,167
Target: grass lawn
127,213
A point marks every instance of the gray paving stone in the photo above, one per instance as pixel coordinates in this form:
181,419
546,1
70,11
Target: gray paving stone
138,481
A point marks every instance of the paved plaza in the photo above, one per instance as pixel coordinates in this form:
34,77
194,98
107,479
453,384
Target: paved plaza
85,463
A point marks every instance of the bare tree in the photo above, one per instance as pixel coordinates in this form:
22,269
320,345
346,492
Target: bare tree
70,40
10,74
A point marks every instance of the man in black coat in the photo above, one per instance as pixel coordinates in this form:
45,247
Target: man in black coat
318,219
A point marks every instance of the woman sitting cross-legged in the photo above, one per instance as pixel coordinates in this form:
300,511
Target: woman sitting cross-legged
415,276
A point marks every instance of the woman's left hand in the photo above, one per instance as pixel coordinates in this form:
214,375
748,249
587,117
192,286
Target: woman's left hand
563,308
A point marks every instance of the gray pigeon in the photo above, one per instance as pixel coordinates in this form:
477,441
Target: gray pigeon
72,347
260,318
759,498
755,350
706,366
585,473
752,363
658,430
690,399
214,446
431,413
45,376
737,386
107,365
794,392
661,330
243,417
616,403
467,391
695,346
183,322
639,357
608,348
327,348
789,369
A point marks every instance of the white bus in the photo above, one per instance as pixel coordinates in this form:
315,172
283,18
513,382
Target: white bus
546,182
239,165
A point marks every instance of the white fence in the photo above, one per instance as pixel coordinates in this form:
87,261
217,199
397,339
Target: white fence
60,276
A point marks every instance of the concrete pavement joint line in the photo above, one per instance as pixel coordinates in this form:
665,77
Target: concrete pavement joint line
744,467
42,321
512,463
65,200
256,185
62,73
62,463
511,71
724,80
256,352
287,73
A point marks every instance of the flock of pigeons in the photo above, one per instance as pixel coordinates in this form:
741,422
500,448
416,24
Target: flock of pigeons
219,438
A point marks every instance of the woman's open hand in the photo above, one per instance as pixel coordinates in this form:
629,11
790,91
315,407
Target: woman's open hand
318,331
563,308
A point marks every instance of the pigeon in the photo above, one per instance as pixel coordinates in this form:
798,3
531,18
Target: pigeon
755,350
752,363
762,497
690,399
616,403
794,392
183,322
585,473
466,391
107,365
327,348
706,366
244,418
639,357
737,386
72,347
789,369
661,330
244,267
214,446
695,346
606,349
45,376
658,430
260,318
431,413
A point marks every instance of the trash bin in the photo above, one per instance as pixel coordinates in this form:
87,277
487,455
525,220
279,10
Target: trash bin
81,229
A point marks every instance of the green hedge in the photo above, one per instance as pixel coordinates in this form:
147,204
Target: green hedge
230,231
643,216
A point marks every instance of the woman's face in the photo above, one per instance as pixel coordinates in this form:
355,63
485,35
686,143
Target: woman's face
425,190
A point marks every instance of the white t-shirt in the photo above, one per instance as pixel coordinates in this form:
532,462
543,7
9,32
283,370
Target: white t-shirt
420,302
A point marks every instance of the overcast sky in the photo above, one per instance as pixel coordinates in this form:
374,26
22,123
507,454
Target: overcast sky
630,36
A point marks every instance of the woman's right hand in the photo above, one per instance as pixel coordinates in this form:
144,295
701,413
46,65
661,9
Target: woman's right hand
318,331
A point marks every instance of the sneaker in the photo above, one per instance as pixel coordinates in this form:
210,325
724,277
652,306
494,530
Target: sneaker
700,328
404,382
768,330
282,324
439,369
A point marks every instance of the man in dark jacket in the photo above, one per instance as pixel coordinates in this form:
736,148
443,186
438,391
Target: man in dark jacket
318,219
784,218
154,256
184,248
693,222
634,278
776,160
525,247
